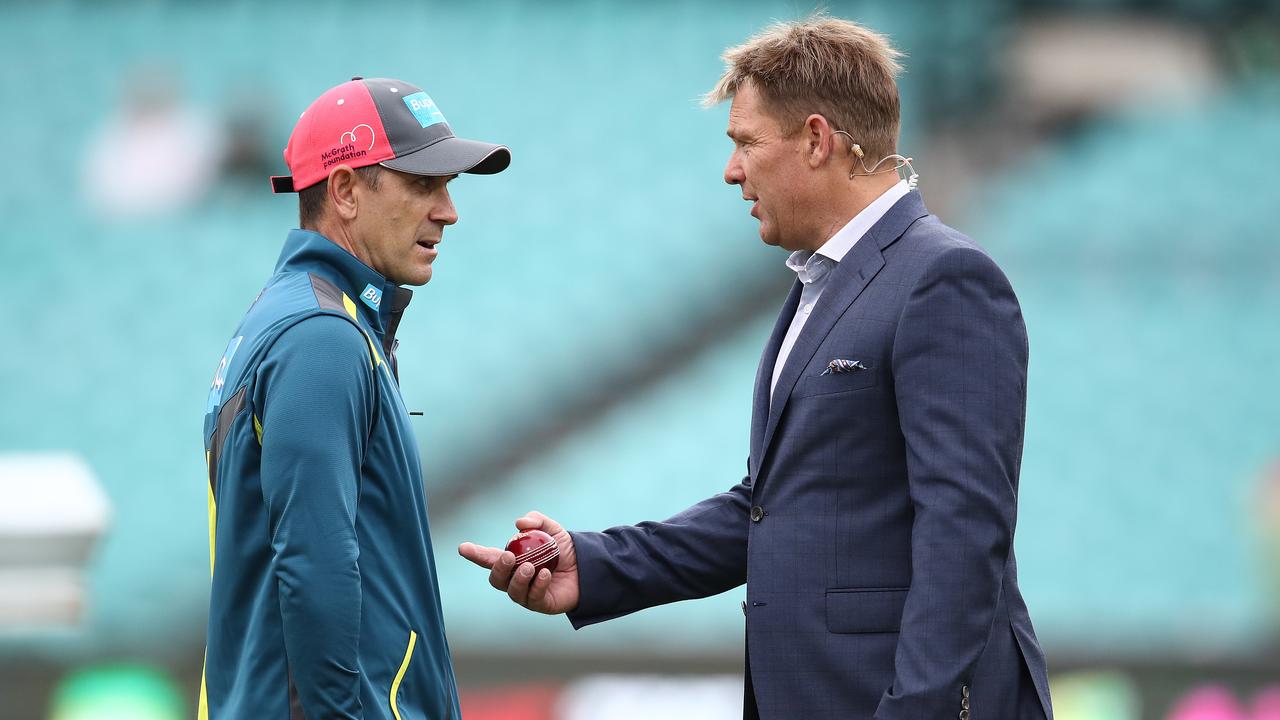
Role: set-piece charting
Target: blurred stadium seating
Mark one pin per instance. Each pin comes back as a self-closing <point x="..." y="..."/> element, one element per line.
<point x="587" y="345"/>
<point x="1147" y="271"/>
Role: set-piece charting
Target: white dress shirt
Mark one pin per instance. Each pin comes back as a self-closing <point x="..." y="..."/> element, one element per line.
<point x="814" y="268"/>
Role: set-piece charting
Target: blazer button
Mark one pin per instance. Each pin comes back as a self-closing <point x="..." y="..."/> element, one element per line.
<point x="964" y="715"/>
<point x="757" y="513"/>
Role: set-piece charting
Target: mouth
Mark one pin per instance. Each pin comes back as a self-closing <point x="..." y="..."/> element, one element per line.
<point x="429" y="244"/>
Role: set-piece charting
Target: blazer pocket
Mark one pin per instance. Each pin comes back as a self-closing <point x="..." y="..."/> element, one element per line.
<point x="817" y="384"/>
<point x="865" y="610"/>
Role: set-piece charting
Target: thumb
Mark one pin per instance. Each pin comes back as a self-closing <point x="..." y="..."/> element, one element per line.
<point x="534" y="520"/>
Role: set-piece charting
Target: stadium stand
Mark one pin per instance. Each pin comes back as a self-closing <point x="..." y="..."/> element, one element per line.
<point x="1148" y="346"/>
<point x="610" y="244"/>
<point x="588" y="343"/>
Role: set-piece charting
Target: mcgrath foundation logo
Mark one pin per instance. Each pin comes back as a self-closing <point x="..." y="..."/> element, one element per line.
<point x="350" y="136"/>
<point x="349" y="144"/>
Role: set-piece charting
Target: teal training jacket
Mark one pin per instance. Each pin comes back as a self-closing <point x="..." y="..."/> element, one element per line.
<point x="324" y="600"/>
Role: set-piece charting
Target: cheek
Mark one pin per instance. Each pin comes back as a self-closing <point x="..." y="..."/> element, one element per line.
<point x="766" y="182"/>
<point x="768" y="172"/>
<point x="424" y="212"/>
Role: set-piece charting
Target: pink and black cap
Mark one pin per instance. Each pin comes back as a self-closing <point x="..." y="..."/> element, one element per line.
<point x="379" y="121"/>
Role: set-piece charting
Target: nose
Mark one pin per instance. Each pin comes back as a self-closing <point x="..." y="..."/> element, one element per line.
<point x="444" y="212"/>
<point x="733" y="172"/>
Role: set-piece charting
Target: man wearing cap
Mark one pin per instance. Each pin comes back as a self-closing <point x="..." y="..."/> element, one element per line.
<point x="324" y="600"/>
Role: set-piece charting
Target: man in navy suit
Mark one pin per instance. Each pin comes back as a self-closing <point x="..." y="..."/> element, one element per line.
<point x="874" y="529"/>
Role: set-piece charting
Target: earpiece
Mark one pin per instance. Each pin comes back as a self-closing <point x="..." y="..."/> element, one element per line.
<point x="909" y="174"/>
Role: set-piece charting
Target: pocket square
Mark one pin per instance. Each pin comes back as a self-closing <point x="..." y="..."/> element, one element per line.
<point x="840" y="365"/>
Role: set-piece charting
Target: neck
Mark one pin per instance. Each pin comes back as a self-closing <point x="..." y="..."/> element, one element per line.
<point x="340" y="235"/>
<point x="848" y="197"/>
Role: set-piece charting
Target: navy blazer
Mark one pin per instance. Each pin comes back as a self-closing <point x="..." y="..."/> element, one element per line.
<point x="874" y="529"/>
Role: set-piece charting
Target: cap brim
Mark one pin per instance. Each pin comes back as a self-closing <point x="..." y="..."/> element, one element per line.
<point x="453" y="155"/>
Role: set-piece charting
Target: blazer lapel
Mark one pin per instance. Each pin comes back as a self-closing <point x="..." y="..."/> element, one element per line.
<point x="764" y="375"/>
<point x="850" y="277"/>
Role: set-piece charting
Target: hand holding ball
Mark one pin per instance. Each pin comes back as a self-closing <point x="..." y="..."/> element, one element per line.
<point x="541" y="543"/>
<point x="535" y="547"/>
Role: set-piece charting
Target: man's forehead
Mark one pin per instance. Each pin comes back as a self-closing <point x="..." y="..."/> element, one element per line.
<point x="747" y="115"/>
<point x="743" y="123"/>
<point x="740" y="120"/>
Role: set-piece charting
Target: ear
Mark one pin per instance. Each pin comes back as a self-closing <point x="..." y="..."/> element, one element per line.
<point x="343" y="193"/>
<point x="818" y="140"/>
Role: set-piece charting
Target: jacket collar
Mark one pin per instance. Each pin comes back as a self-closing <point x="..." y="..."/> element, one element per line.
<point x="846" y="283"/>
<point x="379" y="302"/>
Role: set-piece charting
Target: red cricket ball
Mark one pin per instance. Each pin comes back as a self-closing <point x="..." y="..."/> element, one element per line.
<point x="535" y="547"/>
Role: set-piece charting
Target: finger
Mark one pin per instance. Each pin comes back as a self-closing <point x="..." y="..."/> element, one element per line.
<point x="481" y="555"/>
<point x="500" y="575"/>
<point x="518" y="590"/>
<point x="535" y="520"/>
<point x="538" y="590"/>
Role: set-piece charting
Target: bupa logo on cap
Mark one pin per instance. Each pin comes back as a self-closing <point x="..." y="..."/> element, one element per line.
<point x="371" y="296"/>
<point x="424" y="109"/>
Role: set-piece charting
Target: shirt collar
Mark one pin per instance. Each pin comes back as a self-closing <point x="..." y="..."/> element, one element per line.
<point x="808" y="266"/>
<point x="378" y="301"/>
<point x="811" y="267"/>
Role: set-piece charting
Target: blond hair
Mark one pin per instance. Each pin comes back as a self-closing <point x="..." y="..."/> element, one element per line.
<point x="828" y="66"/>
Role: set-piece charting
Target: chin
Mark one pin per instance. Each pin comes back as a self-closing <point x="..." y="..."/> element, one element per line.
<point x="414" y="277"/>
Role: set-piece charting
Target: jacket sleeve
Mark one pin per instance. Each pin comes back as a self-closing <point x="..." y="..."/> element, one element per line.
<point x="697" y="553"/>
<point x="959" y="368"/>
<point x="316" y="397"/>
